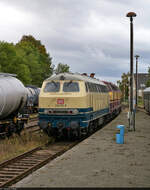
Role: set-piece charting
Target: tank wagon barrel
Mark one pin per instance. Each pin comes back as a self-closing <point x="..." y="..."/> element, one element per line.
<point x="32" y="98"/>
<point x="13" y="97"/>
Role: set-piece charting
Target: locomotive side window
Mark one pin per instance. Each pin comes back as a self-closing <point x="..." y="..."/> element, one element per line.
<point x="86" y="87"/>
<point x="90" y="87"/>
<point x="71" y="87"/>
<point x="104" y="88"/>
<point x="94" y="87"/>
<point x="52" y="87"/>
<point x="99" y="88"/>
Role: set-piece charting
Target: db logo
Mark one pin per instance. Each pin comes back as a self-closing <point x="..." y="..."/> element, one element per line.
<point x="60" y="101"/>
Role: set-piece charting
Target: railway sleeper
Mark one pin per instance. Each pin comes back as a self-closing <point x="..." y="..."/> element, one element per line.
<point x="3" y="180"/>
<point x="28" y="162"/>
<point x="6" y="176"/>
<point x="21" y="167"/>
<point x="9" y="172"/>
<point x="33" y="159"/>
<point x="12" y="170"/>
<point x="24" y="164"/>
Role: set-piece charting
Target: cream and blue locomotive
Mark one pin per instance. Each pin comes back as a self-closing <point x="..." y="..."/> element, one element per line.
<point x="72" y="104"/>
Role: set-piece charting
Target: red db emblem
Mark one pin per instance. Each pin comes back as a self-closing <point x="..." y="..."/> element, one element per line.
<point x="60" y="101"/>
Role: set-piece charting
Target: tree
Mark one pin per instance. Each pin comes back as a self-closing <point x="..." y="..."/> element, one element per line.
<point x="34" y="42"/>
<point x="10" y="62"/>
<point x="148" y="81"/>
<point x="124" y="85"/>
<point x="37" y="59"/>
<point x="62" y="68"/>
<point x="28" y="59"/>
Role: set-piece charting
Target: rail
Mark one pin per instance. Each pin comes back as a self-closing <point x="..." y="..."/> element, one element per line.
<point x="17" y="168"/>
<point x="13" y="170"/>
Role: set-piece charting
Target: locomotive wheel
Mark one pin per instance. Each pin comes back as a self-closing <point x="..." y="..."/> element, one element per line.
<point x="90" y="129"/>
<point x="78" y="133"/>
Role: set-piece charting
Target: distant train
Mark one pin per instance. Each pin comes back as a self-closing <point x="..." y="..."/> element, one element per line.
<point x="31" y="105"/>
<point x="74" y="104"/>
<point x="146" y="97"/>
<point x="14" y="99"/>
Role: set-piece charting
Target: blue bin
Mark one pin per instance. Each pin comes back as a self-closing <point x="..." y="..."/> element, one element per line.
<point x="119" y="139"/>
<point x="121" y="127"/>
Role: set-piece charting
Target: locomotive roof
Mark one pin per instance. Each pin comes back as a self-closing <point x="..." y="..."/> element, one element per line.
<point x="75" y="76"/>
<point x="147" y="89"/>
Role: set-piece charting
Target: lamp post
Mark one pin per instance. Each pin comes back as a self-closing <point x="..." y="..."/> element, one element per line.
<point x="132" y="113"/>
<point x="136" y="102"/>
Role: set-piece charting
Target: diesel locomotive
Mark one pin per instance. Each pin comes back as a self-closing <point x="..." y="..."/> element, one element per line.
<point x="72" y="104"/>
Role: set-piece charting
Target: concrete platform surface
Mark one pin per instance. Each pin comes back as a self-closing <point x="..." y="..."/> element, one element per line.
<point x="99" y="162"/>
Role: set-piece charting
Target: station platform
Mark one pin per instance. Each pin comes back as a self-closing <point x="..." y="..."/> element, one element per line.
<point x="99" y="162"/>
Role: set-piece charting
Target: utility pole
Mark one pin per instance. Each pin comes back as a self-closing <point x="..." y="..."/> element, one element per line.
<point x="136" y="56"/>
<point x="132" y="112"/>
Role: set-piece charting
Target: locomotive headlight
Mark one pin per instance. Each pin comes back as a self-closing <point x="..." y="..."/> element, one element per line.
<point x="46" y="111"/>
<point x="75" y="111"/>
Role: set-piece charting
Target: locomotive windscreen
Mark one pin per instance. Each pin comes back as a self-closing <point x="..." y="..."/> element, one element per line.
<point x="71" y="87"/>
<point x="52" y="87"/>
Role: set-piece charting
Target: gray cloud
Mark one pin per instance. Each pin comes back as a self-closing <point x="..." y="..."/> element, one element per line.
<point x="88" y="35"/>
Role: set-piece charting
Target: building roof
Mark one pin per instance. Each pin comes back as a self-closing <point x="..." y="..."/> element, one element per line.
<point x="142" y="79"/>
<point x="147" y="89"/>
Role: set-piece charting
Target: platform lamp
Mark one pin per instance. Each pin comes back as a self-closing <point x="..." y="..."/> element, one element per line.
<point x="131" y="112"/>
<point x="136" y="100"/>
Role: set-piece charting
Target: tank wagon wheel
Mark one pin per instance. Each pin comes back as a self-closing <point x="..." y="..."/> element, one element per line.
<point x="8" y="131"/>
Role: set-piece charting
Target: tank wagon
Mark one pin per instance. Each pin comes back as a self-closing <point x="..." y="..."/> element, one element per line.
<point x="31" y="105"/>
<point x="13" y="96"/>
<point x="74" y="104"/>
<point x="146" y="98"/>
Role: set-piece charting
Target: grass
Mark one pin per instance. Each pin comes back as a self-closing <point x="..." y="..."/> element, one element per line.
<point x="17" y="145"/>
<point x="140" y="101"/>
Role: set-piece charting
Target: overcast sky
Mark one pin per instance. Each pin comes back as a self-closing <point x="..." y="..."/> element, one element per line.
<point x="88" y="35"/>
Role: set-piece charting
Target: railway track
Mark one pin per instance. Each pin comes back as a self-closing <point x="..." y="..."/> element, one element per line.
<point x="32" y="123"/>
<point x="13" y="170"/>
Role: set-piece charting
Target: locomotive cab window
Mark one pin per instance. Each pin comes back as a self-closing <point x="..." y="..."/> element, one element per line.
<point x="71" y="87"/>
<point x="52" y="87"/>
